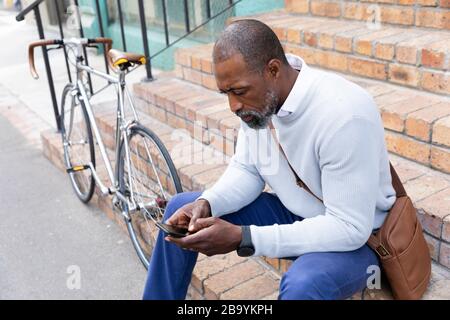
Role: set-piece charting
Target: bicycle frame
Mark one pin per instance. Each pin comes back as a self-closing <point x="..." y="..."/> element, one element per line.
<point x="122" y="126"/>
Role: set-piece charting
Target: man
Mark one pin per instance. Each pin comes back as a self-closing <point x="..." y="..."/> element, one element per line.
<point x="331" y="132"/>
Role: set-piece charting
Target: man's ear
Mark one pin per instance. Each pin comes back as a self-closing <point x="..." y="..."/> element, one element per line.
<point x="273" y="68"/>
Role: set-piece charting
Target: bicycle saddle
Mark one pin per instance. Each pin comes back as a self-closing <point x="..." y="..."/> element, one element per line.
<point x="120" y="58"/>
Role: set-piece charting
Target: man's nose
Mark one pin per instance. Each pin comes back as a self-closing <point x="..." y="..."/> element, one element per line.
<point x="235" y="105"/>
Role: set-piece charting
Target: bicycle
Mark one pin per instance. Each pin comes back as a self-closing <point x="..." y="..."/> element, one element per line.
<point x="144" y="178"/>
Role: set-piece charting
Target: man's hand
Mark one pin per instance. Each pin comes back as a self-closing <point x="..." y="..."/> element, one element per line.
<point x="188" y="215"/>
<point x="215" y="236"/>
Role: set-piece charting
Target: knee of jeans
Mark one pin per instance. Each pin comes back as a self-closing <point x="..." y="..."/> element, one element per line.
<point x="179" y="200"/>
<point x="306" y="286"/>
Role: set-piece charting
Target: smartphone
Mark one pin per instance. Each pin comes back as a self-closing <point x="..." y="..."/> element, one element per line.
<point x="173" y="231"/>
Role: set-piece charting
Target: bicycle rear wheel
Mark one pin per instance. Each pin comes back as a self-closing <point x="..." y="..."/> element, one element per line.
<point x="150" y="180"/>
<point x="78" y="144"/>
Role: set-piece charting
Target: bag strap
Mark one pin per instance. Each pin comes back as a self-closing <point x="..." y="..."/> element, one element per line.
<point x="373" y="241"/>
<point x="396" y="182"/>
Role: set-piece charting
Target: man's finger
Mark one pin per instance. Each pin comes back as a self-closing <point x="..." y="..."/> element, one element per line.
<point x="205" y="222"/>
<point x="174" y="219"/>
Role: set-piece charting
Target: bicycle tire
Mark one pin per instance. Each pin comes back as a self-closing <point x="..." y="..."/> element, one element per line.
<point x="134" y="225"/>
<point x="83" y="189"/>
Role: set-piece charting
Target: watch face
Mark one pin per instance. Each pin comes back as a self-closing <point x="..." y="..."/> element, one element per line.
<point x="246" y="251"/>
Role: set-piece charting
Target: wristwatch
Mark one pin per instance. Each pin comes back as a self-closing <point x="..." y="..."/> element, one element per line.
<point x="246" y="248"/>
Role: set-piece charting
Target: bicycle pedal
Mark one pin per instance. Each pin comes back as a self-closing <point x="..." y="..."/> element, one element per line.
<point x="77" y="169"/>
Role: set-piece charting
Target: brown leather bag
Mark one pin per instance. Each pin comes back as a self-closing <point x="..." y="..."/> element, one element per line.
<point x="399" y="243"/>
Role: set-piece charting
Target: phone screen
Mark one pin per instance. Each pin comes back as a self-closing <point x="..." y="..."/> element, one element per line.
<point x="171" y="230"/>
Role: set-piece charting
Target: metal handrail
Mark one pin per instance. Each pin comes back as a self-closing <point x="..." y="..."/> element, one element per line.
<point x="34" y="6"/>
<point x="28" y="9"/>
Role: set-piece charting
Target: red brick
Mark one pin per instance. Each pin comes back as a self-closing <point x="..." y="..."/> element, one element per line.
<point x="408" y="51"/>
<point x="293" y="36"/>
<point x="205" y="180"/>
<point x="446" y="229"/>
<point x="433" y="245"/>
<point x="408" y="148"/>
<point x="192" y="75"/>
<point x="420" y="123"/>
<point x="430" y="224"/>
<point x="367" y="68"/>
<point x="435" y="81"/>
<point x="444" y="255"/>
<point x="407" y="170"/>
<point x="196" y="62"/>
<point x="209" y="81"/>
<point x="326" y="38"/>
<point x="356" y="11"/>
<point x="441" y="130"/>
<point x="397" y="15"/>
<point x="432" y="58"/>
<point x="425" y="186"/>
<point x="440" y="158"/>
<point x="325" y="8"/>
<point x="444" y="3"/>
<point x="285" y="264"/>
<point x="394" y="115"/>
<point x="275" y="263"/>
<point x="207" y="65"/>
<point x="255" y="288"/>
<point x="430" y="18"/>
<point x="331" y="60"/>
<point x="182" y="56"/>
<point x="364" y="43"/>
<point x="427" y="3"/>
<point x="223" y="281"/>
<point x="385" y="47"/>
<point x="211" y="266"/>
<point x="307" y="54"/>
<point x="437" y="206"/>
<point x="403" y="75"/>
<point x="297" y="6"/>
<point x="186" y="173"/>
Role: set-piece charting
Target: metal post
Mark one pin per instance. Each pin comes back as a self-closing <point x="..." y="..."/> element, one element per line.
<point x="166" y="26"/>
<point x="102" y="34"/>
<point x="208" y="9"/>
<point x="148" y="65"/>
<point x="122" y="29"/>
<point x="61" y="32"/>
<point x="91" y="89"/>
<point x="47" y="68"/>
<point x="186" y="16"/>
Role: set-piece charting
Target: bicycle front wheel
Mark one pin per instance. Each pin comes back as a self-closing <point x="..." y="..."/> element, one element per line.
<point x="147" y="176"/>
<point x="78" y="144"/>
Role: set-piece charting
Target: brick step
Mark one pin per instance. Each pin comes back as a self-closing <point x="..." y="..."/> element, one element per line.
<point x="409" y="57"/>
<point x="434" y="14"/>
<point x="417" y="124"/>
<point x="228" y="276"/>
<point x="242" y="275"/>
<point x="429" y="189"/>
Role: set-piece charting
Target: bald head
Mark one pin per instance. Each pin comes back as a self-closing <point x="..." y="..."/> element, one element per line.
<point x="254" y="40"/>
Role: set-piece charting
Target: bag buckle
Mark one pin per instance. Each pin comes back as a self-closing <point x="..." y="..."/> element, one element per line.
<point x="382" y="251"/>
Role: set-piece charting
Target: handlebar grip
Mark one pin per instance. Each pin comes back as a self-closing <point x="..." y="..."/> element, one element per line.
<point x="31" y="47"/>
<point x="108" y="46"/>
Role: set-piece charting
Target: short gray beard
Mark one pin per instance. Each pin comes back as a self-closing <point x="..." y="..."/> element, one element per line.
<point x="261" y="118"/>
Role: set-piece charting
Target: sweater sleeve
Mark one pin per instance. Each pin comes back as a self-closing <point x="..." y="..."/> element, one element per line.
<point x="239" y="185"/>
<point x="349" y="175"/>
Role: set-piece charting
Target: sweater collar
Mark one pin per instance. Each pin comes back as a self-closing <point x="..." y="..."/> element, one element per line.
<point x="296" y="98"/>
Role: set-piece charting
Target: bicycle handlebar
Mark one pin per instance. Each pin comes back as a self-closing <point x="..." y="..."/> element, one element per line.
<point x="43" y="43"/>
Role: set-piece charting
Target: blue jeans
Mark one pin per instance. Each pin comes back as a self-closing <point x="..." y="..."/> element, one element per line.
<point x="322" y="275"/>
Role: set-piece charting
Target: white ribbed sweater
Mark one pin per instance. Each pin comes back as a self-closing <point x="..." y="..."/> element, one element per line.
<point x="333" y="136"/>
